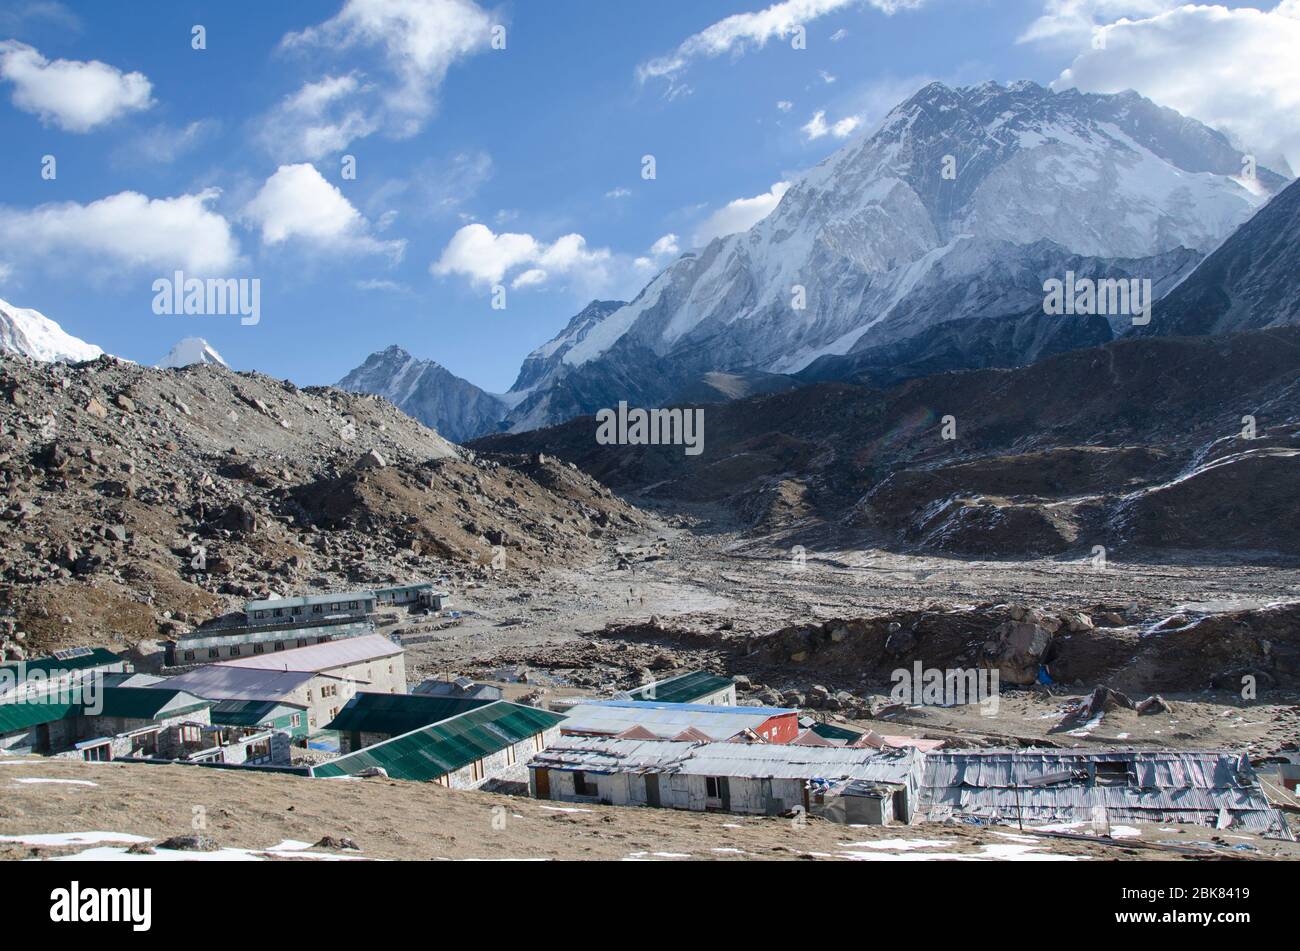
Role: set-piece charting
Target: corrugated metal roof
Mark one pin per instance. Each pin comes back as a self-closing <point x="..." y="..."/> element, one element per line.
<point x="397" y="713"/>
<point x="685" y="688"/>
<point x="145" y="703"/>
<point x="742" y="760"/>
<point x="23" y="716"/>
<point x="132" y="703"/>
<point x="93" y="657"/>
<point x="829" y="731"/>
<point x="1061" y="785"/>
<point x="250" y="712"/>
<point x="336" y="630"/>
<point x="666" y="719"/>
<point x="433" y="751"/>
<point x="220" y="682"/>
<point x="317" y="657"/>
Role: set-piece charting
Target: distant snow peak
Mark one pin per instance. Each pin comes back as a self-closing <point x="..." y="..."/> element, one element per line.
<point x="188" y="352"/>
<point x="32" y="334"/>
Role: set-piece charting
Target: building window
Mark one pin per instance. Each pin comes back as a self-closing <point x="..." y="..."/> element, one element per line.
<point x="260" y="614"/>
<point x="510" y="755"/>
<point x="295" y="721"/>
<point x="302" y="642"/>
<point x="279" y="645"/>
<point x="476" y="770"/>
<point x="334" y="607"/>
<point x="713" y="786"/>
<point x="297" y="611"/>
<point x="315" y="609"/>
<point x="234" y="650"/>
<point x="538" y="743"/>
<point x="189" y="655"/>
<point x="258" y="751"/>
<point x="258" y="648"/>
<point x="352" y="605"/>
<point x="583" y="788"/>
<point x="279" y="612"/>
<point x="1113" y="774"/>
<point x="97" y="754"/>
<point x="309" y="695"/>
<point x="213" y="652"/>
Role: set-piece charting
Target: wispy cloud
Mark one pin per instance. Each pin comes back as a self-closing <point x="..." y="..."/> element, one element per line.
<point x="817" y="127"/>
<point x="742" y="31"/>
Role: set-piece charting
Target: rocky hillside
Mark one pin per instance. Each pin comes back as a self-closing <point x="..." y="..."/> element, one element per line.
<point x="1139" y="442"/>
<point x="1249" y="281"/>
<point x="137" y="501"/>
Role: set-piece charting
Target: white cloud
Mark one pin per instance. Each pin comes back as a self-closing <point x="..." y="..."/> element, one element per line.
<point x="741" y="31"/>
<point x="817" y="126"/>
<point x="485" y="257"/>
<point x="1234" y="69"/>
<point x="75" y="96"/>
<point x="839" y="35"/>
<point x="827" y="78"/>
<point x="785" y="105"/>
<point x="125" y="230"/>
<point x="1072" y="23"/>
<point x="297" y="202"/>
<point x="320" y="119"/>
<point x="419" y="41"/>
<point x="379" y="284"/>
<point x="488" y="257"/>
<point x="740" y="215"/>
<point x="666" y="247"/>
<point x="619" y="192"/>
<point x="529" y="278"/>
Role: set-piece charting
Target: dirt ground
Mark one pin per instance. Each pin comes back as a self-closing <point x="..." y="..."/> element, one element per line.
<point x="398" y="820"/>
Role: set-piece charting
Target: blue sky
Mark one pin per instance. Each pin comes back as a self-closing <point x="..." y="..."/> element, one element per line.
<point x="475" y="166"/>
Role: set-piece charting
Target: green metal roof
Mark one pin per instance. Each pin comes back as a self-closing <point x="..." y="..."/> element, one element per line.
<point x="445" y="747"/>
<point x="248" y="712"/>
<point x="686" y="688"/>
<point x="830" y="732"/>
<point x="131" y="703"/>
<point x="80" y="660"/>
<point x="22" y="716"/>
<point x="145" y="703"/>
<point x="397" y="713"/>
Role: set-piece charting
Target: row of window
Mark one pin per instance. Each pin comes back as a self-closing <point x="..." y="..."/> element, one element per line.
<point x="315" y="609"/>
<point x="235" y="650"/>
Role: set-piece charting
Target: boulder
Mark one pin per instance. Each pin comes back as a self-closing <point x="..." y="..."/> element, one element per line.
<point x="1020" y="650"/>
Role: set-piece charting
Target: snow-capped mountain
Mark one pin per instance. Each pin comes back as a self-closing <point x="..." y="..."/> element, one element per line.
<point x="1251" y="280"/>
<point x="429" y="392"/>
<point x="189" y="351"/>
<point x="34" y="335"/>
<point x="959" y="205"/>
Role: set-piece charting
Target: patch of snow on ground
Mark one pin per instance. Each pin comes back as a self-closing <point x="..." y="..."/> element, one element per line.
<point x="65" y="782"/>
